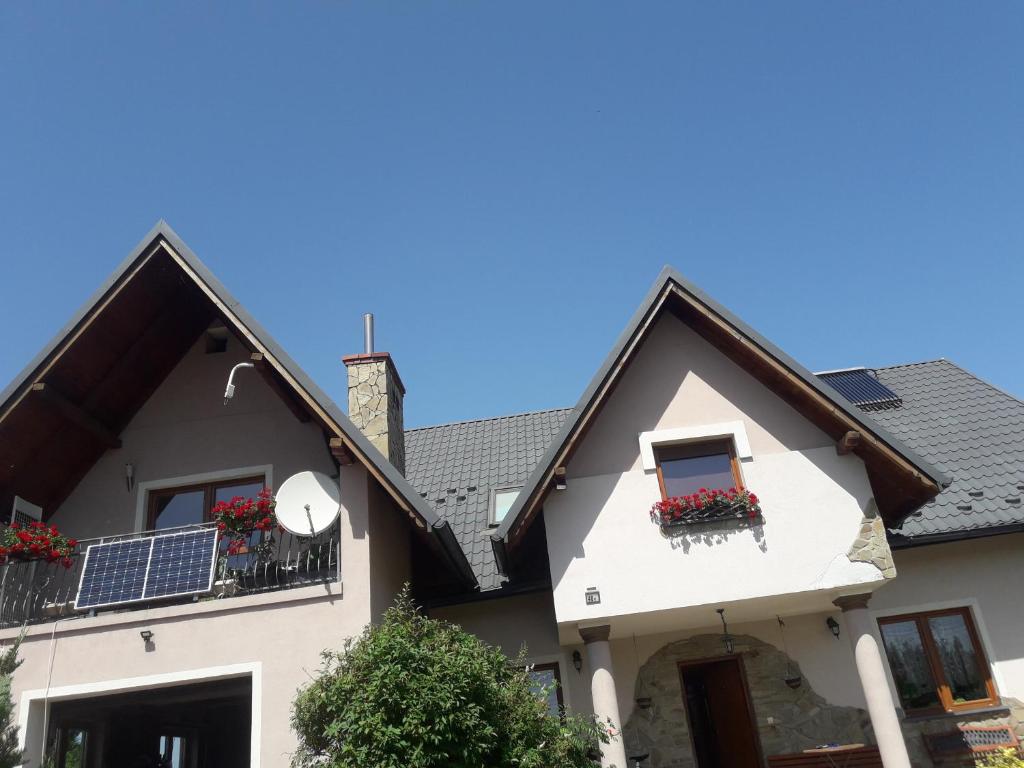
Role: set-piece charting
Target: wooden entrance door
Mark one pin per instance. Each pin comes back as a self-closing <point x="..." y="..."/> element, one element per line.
<point x="721" y="718"/>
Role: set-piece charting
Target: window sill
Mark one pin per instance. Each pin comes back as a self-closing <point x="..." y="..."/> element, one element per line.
<point x="993" y="710"/>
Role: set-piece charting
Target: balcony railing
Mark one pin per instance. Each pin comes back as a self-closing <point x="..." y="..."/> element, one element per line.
<point x="38" y="592"/>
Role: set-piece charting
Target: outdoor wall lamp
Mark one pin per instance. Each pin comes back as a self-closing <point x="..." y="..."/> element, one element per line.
<point x="577" y="661"/>
<point x="129" y="476"/>
<point x="833" y="626"/>
<point x="146" y="635"/>
<point x="726" y="637"/>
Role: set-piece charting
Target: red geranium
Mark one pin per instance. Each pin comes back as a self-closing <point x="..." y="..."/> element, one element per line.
<point x="240" y="517"/>
<point x="36" y="541"/>
<point x="688" y="508"/>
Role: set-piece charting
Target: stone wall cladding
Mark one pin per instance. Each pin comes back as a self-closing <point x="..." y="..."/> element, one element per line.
<point x="803" y="718"/>
<point x="871" y="545"/>
<point x="375" y="405"/>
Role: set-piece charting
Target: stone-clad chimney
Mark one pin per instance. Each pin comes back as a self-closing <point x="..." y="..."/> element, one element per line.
<point x="375" y="397"/>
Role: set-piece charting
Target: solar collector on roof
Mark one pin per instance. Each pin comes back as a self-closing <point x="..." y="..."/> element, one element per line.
<point x="862" y="388"/>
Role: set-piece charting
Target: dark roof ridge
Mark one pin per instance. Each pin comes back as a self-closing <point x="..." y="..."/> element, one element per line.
<point x="488" y="418"/>
<point x="667" y="281"/>
<point x="195" y="270"/>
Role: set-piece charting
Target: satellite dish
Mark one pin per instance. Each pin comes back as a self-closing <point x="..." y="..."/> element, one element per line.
<point x="308" y="503"/>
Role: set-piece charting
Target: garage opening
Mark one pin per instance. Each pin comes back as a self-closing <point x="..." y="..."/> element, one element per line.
<point x="205" y="725"/>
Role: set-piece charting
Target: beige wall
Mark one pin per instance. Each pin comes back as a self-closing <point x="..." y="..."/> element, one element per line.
<point x="285" y="639"/>
<point x="185" y="429"/>
<point x="599" y="532"/>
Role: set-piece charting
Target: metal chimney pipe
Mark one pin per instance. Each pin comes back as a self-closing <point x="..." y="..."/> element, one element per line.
<point x="368" y="333"/>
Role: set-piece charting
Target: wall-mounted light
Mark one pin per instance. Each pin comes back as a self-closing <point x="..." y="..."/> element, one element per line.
<point x="147" y="636"/>
<point x="577" y="661"/>
<point x="129" y="476"/>
<point x="726" y="637"/>
<point x="833" y="626"/>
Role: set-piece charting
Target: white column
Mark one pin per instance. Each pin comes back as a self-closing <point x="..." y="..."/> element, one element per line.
<point x="602" y="691"/>
<point x="871" y="669"/>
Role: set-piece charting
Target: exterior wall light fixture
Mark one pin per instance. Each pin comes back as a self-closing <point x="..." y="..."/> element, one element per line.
<point x="833" y="626"/>
<point x="147" y="636"/>
<point x="577" y="661"/>
<point x="726" y="637"/>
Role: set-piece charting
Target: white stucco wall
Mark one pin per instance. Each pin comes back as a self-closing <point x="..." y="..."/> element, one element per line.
<point x="598" y="530"/>
<point x="185" y="429"/>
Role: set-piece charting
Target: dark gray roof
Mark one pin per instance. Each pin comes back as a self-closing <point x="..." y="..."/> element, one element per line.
<point x="455" y="467"/>
<point x="972" y="431"/>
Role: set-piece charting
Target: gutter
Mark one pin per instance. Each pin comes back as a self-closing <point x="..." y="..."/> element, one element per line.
<point x="899" y="541"/>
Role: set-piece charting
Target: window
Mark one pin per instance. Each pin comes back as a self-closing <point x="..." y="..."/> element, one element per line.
<point x="546" y="677"/>
<point x="937" y="661"/>
<point x="688" y="467"/>
<point x="71" y="747"/>
<point x="191" y="504"/>
<point x="501" y="502"/>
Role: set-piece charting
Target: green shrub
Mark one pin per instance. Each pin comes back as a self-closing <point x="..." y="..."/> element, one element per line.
<point x="1004" y="758"/>
<point x="10" y="755"/>
<point x="414" y="692"/>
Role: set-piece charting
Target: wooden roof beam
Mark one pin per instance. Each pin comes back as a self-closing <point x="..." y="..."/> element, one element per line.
<point x="341" y="452"/>
<point x="848" y="443"/>
<point x="76" y="414"/>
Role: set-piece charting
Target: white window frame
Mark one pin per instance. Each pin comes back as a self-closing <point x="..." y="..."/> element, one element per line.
<point x="493" y="503"/>
<point x="45" y="697"/>
<point x="734" y="430"/>
<point x="142" y="489"/>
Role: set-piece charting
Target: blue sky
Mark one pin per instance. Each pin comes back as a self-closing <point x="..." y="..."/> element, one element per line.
<point x="500" y="182"/>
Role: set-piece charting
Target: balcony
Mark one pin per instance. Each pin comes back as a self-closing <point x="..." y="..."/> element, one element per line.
<point x="38" y="592"/>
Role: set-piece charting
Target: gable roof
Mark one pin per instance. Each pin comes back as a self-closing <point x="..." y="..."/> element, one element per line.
<point x="901" y="479"/>
<point x="457" y="467"/>
<point x="84" y="415"/>
<point x="971" y="430"/>
<point x="966" y="427"/>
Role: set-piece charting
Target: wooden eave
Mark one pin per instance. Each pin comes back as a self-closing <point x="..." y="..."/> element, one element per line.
<point x="69" y="406"/>
<point x="899" y="485"/>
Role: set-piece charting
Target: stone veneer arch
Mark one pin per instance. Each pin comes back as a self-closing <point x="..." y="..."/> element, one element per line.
<point x="802" y="718"/>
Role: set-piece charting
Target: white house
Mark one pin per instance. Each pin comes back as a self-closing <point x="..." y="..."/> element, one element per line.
<point x="866" y="598"/>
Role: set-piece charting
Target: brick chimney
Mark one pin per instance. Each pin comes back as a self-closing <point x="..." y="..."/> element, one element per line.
<point x="375" y="398"/>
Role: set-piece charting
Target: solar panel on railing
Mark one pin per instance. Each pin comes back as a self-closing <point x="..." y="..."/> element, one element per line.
<point x="148" y="568"/>
<point x="181" y="564"/>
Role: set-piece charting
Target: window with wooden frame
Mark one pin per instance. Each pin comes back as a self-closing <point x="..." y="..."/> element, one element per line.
<point x="685" y="468"/>
<point x="937" y="661"/>
<point x="549" y="677"/>
<point x="191" y="504"/>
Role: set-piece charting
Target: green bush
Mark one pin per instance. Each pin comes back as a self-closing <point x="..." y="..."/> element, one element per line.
<point x="1004" y="758"/>
<point x="10" y="755"/>
<point x="414" y="692"/>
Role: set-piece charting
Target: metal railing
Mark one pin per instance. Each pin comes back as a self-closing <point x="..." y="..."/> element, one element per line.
<point x="37" y="592"/>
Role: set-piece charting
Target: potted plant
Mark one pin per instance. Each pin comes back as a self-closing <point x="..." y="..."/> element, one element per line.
<point x="706" y="506"/>
<point x="237" y="520"/>
<point x="36" y="541"/>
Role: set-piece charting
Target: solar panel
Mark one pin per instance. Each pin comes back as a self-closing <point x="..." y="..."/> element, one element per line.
<point x="113" y="573"/>
<point x="860" y="387"/>
<point x="147" y="568"/>
<point x="181" y="564"/>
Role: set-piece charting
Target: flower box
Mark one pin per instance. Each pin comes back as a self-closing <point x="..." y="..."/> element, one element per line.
<point x="36" y="541"/>
<point x="706" y="506"/>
